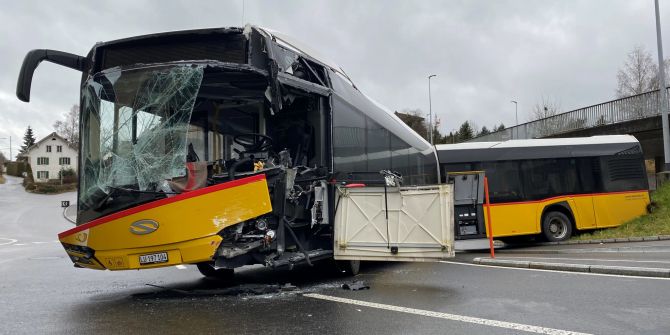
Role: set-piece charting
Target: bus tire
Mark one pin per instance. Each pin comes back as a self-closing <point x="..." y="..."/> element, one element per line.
<point x="556" y="227"/>
<point x="207" y="269"/>
<point x="348" y="268"/>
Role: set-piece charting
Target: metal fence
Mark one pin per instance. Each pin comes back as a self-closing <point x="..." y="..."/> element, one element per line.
<point x="631" y="108"/>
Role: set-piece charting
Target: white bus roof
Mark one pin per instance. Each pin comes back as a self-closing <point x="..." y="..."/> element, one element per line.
<point x="537" y="148"/>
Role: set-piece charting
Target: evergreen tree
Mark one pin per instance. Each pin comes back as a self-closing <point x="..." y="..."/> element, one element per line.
<point x="484" y="131"/>
<point x="28" y="140"/>
<point x="465" y="132"/>
<point x="499" y="128"/>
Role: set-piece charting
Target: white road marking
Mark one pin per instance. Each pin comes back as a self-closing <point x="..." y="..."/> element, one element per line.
<point x="10" y="241"/>
<point x="591" y="259"/>
<point x="181" y="267"/>
<point x="558" y="271"/>
<point x="38" y="242"/>
<point x="447" y="316"/>
<point x="19" y="244"/>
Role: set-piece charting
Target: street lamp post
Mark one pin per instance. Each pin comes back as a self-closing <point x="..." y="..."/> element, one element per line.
<point x="663" y="92"/>
<point x="430" y="111"/>
<point x="516" y="115"/>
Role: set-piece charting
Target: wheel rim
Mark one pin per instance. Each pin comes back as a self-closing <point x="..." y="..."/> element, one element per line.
<point x="558" y="228"/>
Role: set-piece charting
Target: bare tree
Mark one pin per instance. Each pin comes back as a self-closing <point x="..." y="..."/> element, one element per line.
<point x="544" y="110"/>
<point x="69" y="128"/>
<point x="638" y="74"/>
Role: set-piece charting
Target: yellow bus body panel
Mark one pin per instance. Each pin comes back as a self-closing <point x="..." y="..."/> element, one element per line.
<point x="589" y="210"/>
<point x="186" y="226"/>
<point x="614" y="209"/>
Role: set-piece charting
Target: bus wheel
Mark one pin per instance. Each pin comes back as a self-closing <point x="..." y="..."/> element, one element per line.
<point x="556" y="227"/>
<point x="207" y="269"/>
<point x="349" y="268"/>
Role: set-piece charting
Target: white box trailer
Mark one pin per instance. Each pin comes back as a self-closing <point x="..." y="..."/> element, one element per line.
<point x="394" y="223"/>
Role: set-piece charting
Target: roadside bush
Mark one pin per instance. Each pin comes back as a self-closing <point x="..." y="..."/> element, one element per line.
<point x="69" y="176"/>
<point x="28" y="181"/>
<point x="51" y="188"/>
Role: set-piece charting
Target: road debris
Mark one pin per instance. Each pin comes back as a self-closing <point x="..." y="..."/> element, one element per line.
<point x="356" y="286"/>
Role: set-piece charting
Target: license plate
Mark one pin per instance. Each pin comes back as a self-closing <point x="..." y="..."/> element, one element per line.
<point x="161" y="257"/>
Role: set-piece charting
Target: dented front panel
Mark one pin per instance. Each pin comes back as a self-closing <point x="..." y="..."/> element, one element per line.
<point x="184" y="226"/>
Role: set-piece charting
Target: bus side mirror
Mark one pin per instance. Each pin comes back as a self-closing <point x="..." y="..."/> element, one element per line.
<point x="35" y="57"/>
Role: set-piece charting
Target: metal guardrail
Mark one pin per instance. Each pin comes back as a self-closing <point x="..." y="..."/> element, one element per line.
<point x="627" y="109"/>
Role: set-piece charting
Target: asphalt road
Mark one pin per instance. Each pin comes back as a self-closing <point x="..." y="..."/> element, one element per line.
<point x="40" y="292"/>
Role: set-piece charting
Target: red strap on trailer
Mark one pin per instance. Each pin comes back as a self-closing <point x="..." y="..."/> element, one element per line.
<point x="489" y="222"/>
<point x="354" y="185"/>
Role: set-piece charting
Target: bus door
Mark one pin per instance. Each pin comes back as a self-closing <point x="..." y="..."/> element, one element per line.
<point x="389" y="222"/>
<point x="468" y="204"/>
<point x="582" y="207"/>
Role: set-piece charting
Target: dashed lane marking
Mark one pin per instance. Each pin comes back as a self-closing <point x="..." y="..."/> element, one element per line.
<point x="181" y="267"/>
<point x="19" y="244"/>
<point x="447" y="316"/>
<point x="7" y="241"/>
<point x="555" y="271"/>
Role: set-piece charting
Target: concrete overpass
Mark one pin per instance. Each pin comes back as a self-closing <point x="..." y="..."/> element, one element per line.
<point x="636" y="115"/>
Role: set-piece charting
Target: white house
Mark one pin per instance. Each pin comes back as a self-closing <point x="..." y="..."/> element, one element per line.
<point x="49" y="156"/>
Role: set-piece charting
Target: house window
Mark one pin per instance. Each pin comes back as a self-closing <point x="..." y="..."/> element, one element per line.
<point x="42" y="174"/>
<point x="64" y="161"/>
<point x="42" y="160"/>
<point x="48" y="148"/>
<point x="59" y="148"/>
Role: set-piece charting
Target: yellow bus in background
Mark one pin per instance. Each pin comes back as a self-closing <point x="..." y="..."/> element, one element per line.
<point x="555" y="187"/>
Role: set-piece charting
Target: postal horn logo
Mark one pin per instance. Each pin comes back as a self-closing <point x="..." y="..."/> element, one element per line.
<point x="143" y="227"/>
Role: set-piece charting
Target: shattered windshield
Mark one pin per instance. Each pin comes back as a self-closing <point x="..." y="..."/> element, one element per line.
<point x="134" y="130"/>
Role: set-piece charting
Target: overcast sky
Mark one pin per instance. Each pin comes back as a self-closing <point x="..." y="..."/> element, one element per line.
<point x="484" y="53"/>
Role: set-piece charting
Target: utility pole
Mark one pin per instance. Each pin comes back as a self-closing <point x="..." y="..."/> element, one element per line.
<point x="10" y="146"/>
<point x="663" y="92"/>
<point x="430" y="110"/>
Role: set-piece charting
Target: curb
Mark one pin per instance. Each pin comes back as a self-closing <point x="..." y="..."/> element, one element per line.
<point x="610" y="240"/>
<point x="639" y="249"/>
<point x="602" y="269"/>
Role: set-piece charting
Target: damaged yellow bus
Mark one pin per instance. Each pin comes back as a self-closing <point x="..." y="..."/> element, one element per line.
<point x="555" y="187"/>
<point x="235" y="146"/>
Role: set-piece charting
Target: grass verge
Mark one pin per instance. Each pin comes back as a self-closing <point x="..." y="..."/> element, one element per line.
<point x="2" y="179"/>
<point x="655" y="223"/>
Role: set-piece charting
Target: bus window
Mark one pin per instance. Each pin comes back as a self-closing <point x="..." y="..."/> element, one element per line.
<point x="590" y="178"/>
<point x="504" y="180"/>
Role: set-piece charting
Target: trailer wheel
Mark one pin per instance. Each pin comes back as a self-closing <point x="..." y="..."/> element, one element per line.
<point x="207" y="269"/>
<point x="556" y="227"/>
<point x="349" y="268"/>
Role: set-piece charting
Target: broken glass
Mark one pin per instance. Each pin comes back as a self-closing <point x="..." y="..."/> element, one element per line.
<point x="135" y="126"/>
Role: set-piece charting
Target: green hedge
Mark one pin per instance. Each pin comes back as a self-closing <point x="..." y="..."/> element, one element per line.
<point x="17" y="169"/>
<point x="50" y="187"/>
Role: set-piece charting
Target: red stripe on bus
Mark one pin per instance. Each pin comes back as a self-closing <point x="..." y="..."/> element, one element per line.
<point x="162" y="202"/>
<point x="564" y="196"/>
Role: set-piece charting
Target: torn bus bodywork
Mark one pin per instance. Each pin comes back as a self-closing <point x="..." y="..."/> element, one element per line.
<point x="228" y="147"/>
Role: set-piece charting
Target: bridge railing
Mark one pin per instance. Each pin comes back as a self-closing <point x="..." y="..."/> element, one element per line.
<point x="616" y="111"/>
